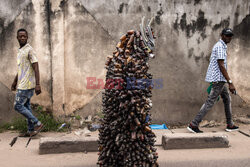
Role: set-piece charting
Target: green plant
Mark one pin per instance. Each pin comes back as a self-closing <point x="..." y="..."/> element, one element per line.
<point x="46" y="117"/>
<point x="50" y="124"/>
<point x="17" y="123"/>
<point x="4" y="127"/>
<point x="100" y="115"/>
<point x="78" y="117"/>
<point x="39" y="108"/>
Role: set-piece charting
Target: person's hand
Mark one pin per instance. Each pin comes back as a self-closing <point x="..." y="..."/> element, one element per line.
<point x="232" y="88"/>
<point x="38" y="89"/>
<point x="13" y="86"/>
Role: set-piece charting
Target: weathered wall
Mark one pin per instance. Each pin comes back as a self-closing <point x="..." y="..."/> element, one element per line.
<point x="74" y="37"/>
<point x="33" y="17"/>
<point x="61" y="32"/>
<point x="79" y="49"/>
<point x="6" y="104"/>
<point x="186" y="30"/>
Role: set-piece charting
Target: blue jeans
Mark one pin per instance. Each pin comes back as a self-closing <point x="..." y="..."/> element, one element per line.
<point x="22" y="105"/>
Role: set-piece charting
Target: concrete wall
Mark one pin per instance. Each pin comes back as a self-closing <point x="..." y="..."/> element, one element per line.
<point x="186" y="30"/>
<point x="74" y="37"/>
<point x="34" y="19"/>
<point x="6" y="104"/>
<point x="79" y="49"/>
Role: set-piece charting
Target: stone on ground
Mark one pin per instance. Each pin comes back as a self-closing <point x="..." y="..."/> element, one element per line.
<point x="243" y="120"/>
<point x="194" y="141"/>
<point x="51" y="145"/>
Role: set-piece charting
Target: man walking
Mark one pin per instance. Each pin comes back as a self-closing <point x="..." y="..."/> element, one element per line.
<point x="218" y="76"/>
<point x="26" y="81"/>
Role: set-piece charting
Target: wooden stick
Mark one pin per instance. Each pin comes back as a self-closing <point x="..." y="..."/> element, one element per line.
<point x="13" y="141"/>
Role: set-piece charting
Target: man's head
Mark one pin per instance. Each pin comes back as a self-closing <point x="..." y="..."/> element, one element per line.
<point x="226" y="35"/>
<point x="22" y="36"/>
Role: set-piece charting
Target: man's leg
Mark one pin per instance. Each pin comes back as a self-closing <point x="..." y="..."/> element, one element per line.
<point x="227" y="105"/>
<point x="212" y="97"/>
<point x="21" y="99"/>
<point x="30" y="124"/>
<point x="37" y="126"/>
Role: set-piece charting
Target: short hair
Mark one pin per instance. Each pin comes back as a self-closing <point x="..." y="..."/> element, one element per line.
<point x="22" y="29"/>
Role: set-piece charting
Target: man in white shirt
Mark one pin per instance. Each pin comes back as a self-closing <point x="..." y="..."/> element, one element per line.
<point x="217" y="75"/>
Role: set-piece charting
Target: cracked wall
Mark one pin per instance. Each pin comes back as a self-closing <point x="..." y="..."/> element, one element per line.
<point x="74" y="37"/>
<point x="186" y="32"/>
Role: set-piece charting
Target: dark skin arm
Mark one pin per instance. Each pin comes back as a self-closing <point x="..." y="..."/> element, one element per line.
<point x="225" y="74"/>
<point x="37" y="76"/>
<point x="13" y="86"/>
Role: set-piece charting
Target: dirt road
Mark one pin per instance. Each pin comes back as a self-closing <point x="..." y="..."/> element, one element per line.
<point x="238" y="155"/>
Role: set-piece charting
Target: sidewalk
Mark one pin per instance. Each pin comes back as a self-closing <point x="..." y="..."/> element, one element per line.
<point x="238" y="155"/>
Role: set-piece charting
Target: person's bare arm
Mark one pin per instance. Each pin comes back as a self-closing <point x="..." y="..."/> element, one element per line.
<point x="13" y="86"/>
<point x="35" y="67"/>
<point x="225" y="74"/>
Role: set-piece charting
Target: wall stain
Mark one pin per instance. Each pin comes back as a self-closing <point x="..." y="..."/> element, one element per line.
<point x="196" y="2"/>
<point x="207" y="57"/>
<point x="139" y="9"/>
<point x="158" y="16"/>
<point x="189" y="1"/>
<point x="201" y="24"/>
<point x="198" y="40"/>
<point x="62" y="3"/>
<point x="210" y="23"/>
<point x="236" y="15"/>
<point x="175" y="25"/>
<point x="5" y="35"/>
<point x="122" y="6"/>
<point x="1" y="25"/>
<point x="149" y="9"/>
<point x="49" y="15"/>
<point x="196" y="25"/>
<point x="183" y="21"/>
<point x="190" y="52"/>
<point x="223" y="24"/>
<point x="27" y="21"/>
<point x="120" y="10"/>
<point x="198" y="58"/>
<point x="242" y="30"/>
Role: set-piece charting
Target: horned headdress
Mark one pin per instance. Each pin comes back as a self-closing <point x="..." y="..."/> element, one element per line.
<point x="147" y="34"/>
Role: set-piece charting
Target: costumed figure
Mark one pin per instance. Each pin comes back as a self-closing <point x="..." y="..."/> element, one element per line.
<point x="125" y="137"/>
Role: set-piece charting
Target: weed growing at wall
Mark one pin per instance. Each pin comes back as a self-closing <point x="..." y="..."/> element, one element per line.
<point x="45" y="116"/>
<point x="78" y="117"/>
<point x="4" y="127"/>
<point x="17" y="123"/>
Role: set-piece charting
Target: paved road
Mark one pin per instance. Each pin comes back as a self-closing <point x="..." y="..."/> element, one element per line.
<point x="238" y="155"/>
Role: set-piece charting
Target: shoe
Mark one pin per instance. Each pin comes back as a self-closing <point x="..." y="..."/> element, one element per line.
<point x="33" y="133"/>
<point x="232" y="128"/>
<point x="26" y="134"/>
<point x="194" y="129"/>
<point x="38" y="128"/>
